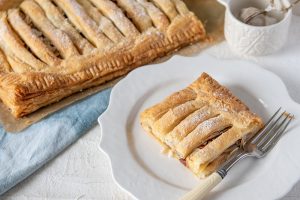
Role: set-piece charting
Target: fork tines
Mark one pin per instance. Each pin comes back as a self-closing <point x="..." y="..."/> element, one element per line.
<point x="266" y="139"/>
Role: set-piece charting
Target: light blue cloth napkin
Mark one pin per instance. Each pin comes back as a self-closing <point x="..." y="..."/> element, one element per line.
<point x="23" y="153"/>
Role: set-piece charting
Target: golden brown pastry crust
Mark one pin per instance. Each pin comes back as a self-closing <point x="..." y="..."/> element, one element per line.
<point x="78" y="50"/>
<point x="200" y="124"/>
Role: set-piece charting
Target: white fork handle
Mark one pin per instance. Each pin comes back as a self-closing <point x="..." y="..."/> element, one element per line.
<point x="202" y="189"/>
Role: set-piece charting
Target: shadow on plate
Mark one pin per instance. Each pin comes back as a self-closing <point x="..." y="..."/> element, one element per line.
<point x="254" y="104"/>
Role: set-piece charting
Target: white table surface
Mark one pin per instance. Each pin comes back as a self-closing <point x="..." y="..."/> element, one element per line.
<point x="83" y="172"/>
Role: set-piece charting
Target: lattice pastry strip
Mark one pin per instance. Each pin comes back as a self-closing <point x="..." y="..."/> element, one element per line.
<point x="59" y="38"/>
<point x="159" y="19"/>
<point x="4" y="65"/>
<point x="205" y="131"/>
<point x="84" y="23"/>
<point x="201" y="124"/>
<point x="171" y="118"/>
<point x="168" y="7"/>
<point x="187" y="125"/>
<point x="180" y="7"/>
<point x="12" y="45"/>
<point x="60" y="22"/>
<point x="105" y="25"/>
<point x="174" y="100"/>
<point x="114" y="13"/>
<point x="137" y="13"/>
<point x="32" y="38"/>
<point x="51" y="48"/>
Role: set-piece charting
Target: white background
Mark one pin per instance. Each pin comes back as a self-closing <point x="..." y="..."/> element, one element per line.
<point x="82" y="171"/>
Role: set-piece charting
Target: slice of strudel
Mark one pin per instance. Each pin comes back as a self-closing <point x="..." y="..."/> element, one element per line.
<point x="50" y="49"/>
<point x="201" y="124"/>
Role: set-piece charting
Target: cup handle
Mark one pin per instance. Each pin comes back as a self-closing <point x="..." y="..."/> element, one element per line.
<point x="224" y="2"/>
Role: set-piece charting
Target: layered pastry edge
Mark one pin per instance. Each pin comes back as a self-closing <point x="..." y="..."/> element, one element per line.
<point x="26" y="91"/>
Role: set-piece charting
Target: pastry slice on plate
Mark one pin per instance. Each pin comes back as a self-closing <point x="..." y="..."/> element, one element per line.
<point x="201" y="124"/>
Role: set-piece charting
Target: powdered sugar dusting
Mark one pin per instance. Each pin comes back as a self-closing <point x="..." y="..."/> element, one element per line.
<point x="208" y="129"/>
<point x="85" y="23"/>
<point x="3" y="30"/>
<point x="110" y="10"/>
<point x="79" y="11"/>
<point x="188" y="125"/>
<point x="137" y="13"/>
<point x="158" y="18"/>
<point x="63" y="38"/>
<point x="209" y="124"/>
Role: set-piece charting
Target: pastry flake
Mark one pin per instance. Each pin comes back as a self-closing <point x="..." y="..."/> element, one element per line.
<point x="201" y="124"/>
<point x="50" y="49"/>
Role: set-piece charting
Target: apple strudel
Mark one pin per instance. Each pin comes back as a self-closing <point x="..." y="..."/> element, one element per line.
<point x="50" y="49"/>
<point x="201" y="124"/>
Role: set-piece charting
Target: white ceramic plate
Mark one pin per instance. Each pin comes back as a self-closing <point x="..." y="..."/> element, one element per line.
<point x="140" y="168"/>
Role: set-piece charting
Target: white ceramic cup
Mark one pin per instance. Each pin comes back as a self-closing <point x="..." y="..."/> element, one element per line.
<point x="248" y="40"/>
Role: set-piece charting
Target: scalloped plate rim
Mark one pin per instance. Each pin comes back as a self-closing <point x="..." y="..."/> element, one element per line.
<point x="154" y="67"/>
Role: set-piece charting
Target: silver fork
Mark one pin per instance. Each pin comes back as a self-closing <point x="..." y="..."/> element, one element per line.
<point x="257" y="146"/>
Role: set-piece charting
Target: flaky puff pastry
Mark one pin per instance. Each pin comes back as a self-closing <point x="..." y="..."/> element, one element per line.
<point x="201" y="124"/>
<point x="50" y="49"/>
